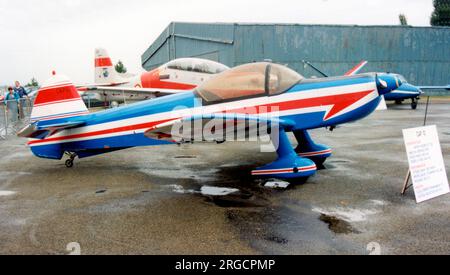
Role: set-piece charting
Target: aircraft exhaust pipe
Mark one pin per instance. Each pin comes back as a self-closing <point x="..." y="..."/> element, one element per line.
<point x="387" y="83"/>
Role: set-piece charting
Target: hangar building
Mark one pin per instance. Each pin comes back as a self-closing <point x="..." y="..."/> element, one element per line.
<point x="421" y="54"/>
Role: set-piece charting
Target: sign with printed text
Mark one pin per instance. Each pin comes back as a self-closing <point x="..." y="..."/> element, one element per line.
<point x="426" y="163"/>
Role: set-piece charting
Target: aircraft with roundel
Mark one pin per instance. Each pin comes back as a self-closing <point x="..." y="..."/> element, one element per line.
<point x="177" y="76"/>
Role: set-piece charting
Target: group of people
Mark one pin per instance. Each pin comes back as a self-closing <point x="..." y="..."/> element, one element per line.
<point x="14" y="100"/>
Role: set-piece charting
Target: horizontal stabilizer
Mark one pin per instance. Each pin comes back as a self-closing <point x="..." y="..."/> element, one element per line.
<point x="130" y="90"/>
<point x="434" y="87"/>
<point x="34" y="130"/>
<point x="84" y="87"/>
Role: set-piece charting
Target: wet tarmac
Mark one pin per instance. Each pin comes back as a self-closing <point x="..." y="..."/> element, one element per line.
<point x="201" y="199"/>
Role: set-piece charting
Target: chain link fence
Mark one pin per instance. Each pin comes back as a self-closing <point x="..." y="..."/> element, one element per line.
<point x="14" y="115"/>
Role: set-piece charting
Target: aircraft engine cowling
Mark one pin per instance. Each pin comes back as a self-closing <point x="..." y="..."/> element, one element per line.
<point x="386" y="83"/>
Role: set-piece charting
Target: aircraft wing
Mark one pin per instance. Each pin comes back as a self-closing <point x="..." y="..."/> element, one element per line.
<point x="356" y="69"/>
<point x="34" y="130"/>
<point x="87" y="86"/>
<point x="130" y="90"/>
<point x="215" y="127"/>
<point x="434" y="87"/>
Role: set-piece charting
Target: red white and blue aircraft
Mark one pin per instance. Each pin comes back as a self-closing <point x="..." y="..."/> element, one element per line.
<point x="276" y="95"/>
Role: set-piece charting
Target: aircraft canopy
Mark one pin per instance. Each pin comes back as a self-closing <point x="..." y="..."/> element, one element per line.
<point x="196" y="65"/>
<point x="250" y="80"/>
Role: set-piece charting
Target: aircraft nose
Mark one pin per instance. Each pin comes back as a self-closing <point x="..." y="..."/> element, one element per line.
<point x="386" y="83"/>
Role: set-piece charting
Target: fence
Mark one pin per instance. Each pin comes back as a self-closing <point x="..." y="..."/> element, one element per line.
<point x="14" y="116"/>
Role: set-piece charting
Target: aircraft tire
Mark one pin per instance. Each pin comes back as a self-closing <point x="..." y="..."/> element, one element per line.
<point x="414" y="105"/>
<point x="69" y="163"/>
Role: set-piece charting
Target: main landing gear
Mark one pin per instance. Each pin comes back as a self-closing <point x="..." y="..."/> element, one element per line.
<point x="414" y="103"/>
<point x="288" y="165"/>
<point x="300" y="163"/>
<point x="69" y="162"/>
<point x="308" y="149"/>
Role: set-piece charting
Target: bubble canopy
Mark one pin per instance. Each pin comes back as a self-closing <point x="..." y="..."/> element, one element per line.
<point x="196" y="65"/>
<point x="249" y="80"/>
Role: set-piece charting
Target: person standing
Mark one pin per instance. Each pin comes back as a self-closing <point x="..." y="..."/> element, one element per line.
<point x="12" y="102"/>
<point x="23" y="95"/>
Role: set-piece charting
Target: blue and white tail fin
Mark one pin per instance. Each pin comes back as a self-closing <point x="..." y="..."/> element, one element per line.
<point x="57" y="101"/>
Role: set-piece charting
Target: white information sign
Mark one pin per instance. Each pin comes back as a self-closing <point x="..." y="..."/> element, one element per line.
<point x="426" y="162"/>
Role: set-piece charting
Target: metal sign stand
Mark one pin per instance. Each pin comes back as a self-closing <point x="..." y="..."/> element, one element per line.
<point x="406" y="184"/>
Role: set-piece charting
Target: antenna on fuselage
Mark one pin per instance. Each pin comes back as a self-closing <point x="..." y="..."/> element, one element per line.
<point x="307" y="63"/>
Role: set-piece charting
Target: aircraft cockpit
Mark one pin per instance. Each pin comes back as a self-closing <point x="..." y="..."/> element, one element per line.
<point x="248" y="81"/>
<point x="402" y="78"/>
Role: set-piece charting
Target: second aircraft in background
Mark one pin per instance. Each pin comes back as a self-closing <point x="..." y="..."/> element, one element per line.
<point x="176" y="76"/>
<point x="404" y="92"/>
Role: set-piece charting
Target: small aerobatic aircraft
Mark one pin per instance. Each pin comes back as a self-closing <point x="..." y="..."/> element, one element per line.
<point x="178" y="75"/>
<point x="404" y="92"/>
<point x="249" y="96"/>
<point x="408" y="91"/>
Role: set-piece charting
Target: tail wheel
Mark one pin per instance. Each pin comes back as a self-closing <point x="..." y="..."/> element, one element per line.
<point x="69" y="163"/>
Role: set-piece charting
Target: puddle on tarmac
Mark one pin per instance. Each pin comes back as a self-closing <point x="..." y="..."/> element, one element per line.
<point x="338" y="161"/>
<point x="275" y="184"/>
<point x="277" y="239"/>
<point x="186" y="157"/>
<point x="333" y="164"/>
<point x="240" y="200"/>
<point x="6" y="193"/>
<point x="217" y="191"/>
<point x="348" y="214"/>
<point x="337" y="225"/>
<point x="223" y="196"/>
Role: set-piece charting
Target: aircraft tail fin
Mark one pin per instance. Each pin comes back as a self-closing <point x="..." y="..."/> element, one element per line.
<point x="105" y="72"/>
<point x="357" y="68"/>
<point x="57" y="101"/>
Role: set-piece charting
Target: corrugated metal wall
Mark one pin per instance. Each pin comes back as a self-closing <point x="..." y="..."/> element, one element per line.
<point x="421" y="54"/>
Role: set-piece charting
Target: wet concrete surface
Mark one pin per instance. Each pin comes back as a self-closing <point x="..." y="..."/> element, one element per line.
<point x="163" y="200"/>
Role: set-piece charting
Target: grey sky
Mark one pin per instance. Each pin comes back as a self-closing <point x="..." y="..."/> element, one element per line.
<point x="39" y="36"/>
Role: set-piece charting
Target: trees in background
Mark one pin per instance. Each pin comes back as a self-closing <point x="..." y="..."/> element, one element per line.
<point x="33" y="83"/>
<point x="403" y="20"/>
<point x="120" y="68"/>
<point x="441" y="14"/>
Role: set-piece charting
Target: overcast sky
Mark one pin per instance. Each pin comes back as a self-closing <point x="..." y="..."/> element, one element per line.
<point x="38" y="36"/>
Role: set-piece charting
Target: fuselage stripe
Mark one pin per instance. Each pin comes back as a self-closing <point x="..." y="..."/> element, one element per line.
<point x="284" y="170"/>
<point x="316" y="153"/>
